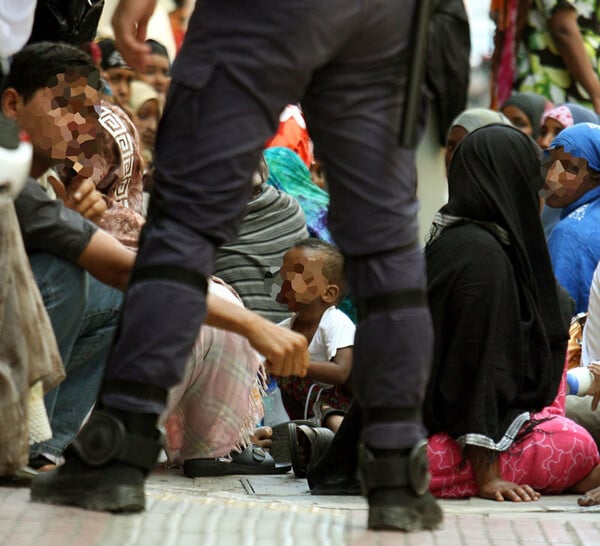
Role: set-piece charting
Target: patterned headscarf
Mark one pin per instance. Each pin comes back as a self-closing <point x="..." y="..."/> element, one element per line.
<point x="289" y="174"/>
<point x="570" y="114"/>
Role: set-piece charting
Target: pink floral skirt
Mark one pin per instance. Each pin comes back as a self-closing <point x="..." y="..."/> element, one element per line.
<point x="553" y="458"/>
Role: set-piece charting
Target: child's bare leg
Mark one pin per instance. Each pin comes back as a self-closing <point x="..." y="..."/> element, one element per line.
<point x="332" y="419"/>
<point x="491" y="486"/>
<point x="333" y="422"/>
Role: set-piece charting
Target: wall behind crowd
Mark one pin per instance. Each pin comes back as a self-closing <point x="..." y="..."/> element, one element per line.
<point x="432" y="187"/>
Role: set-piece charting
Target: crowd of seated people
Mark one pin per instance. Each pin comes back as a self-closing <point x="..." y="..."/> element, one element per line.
<point x="72" y="234"/>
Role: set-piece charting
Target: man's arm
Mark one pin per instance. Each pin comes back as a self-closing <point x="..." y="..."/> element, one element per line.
<point x="567" y="37"/>
<point x="286" y="352"/>
<point x="107" y="259"/>
<point x="49" y="226"/>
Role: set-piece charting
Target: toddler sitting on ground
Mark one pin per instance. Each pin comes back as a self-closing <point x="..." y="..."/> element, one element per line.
<point x="312" y="284"/>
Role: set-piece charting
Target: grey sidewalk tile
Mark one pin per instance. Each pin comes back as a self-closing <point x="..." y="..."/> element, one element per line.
<point x="279" y="511"/>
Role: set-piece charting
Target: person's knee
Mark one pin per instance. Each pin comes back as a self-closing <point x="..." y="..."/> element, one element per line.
<point x="579" y="409"/>
<point x="60" y="282"/>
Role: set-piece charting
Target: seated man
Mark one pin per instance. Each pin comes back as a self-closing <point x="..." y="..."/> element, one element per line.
<point x="53" y="93"/>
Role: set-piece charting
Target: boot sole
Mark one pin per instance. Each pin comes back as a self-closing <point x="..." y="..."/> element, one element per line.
<point x="118" y="499"/>
<point x="424" y="516"/>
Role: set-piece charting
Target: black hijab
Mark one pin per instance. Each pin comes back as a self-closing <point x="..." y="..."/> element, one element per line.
<point x="514" y="357"/>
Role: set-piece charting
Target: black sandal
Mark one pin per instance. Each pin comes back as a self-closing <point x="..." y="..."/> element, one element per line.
<point x="252" y="460"/>
<point x="280" y="441"/>
<point x="316" y="439"/>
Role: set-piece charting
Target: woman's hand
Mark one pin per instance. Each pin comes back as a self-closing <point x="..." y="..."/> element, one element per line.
<point x="486" y="469"/>
<point x="500" y="490"/>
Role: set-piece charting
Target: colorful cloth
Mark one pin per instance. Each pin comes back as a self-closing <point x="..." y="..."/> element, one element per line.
<point x="287" y="173"/>
<point x="570" y="114"/>
<point x="581" y="140"/>
<point x="292" y="134"/>
<point x="215" y="408"/>
<point x="28" y="351"/>
<point x="574" y="247"/>
<point x="574" y="244"/>
<point x="540" y="68"/>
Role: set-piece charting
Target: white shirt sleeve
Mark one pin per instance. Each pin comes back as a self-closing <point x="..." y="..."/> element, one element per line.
<point x="590" y="350"/>
<point x="336" y="331"/>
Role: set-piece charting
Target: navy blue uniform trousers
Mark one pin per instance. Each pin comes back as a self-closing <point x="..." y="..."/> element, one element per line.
<point x="241" y="63"/>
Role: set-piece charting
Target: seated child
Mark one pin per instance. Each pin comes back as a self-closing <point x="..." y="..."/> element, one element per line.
<point x="312" y="276"/>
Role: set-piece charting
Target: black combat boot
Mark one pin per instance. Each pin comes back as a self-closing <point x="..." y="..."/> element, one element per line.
<point x="396" y="484"/>
<point x="106" y="465"/>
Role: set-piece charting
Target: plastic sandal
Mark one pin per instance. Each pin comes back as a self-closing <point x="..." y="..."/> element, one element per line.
<point x="252" y="460"/>
<point x="280" y="440"/>
<point x="317" y="439"/>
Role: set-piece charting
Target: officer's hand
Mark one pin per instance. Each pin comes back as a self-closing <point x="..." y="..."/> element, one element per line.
<point x="130" y="23"/>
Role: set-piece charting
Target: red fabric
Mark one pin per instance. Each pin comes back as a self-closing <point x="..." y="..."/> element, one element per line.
<point x="292" y="134"/>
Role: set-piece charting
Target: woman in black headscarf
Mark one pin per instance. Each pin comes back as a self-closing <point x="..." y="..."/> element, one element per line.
<point x="525" y="111"/>
<point x="494" y="406"/>
<point x="500" y="334"/>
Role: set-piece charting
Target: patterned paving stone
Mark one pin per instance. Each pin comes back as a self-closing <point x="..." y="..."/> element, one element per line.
<point x="279" y="511"/>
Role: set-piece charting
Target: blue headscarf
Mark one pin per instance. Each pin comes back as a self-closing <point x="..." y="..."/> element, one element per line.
<point x="581" y="140"/>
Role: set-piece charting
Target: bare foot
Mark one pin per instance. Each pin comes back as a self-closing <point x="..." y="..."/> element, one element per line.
<point x="262" y="437"/>
<point x="501" y="490"/>
<point x="591" y="498"/>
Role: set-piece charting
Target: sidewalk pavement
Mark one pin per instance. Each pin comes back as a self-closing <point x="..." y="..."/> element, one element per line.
<point x="279" y="511"/>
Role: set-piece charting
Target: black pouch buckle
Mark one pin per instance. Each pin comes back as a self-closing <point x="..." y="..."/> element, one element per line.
<point x="104" y="439"/>
<point x="418" y="468"/>
<point x="100" y="440"/>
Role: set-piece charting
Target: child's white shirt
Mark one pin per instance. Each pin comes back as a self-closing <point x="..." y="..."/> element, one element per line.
<point x="335" y="331"/>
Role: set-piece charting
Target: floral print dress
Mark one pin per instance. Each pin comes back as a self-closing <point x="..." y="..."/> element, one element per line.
<point x="540" y="68"/>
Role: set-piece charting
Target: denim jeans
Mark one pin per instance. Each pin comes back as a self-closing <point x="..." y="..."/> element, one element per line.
<point x="84" y="314"/>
